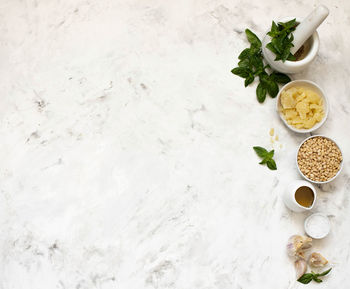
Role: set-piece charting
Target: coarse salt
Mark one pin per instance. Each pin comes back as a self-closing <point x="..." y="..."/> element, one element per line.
<point x="317" y="226"/>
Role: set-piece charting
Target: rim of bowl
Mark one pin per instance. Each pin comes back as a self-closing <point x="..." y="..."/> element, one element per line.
<point x="317" y="214"/>
<point x="341" y="163"/>
<point x="325" y="104"/>
<point x="313" y="49"/>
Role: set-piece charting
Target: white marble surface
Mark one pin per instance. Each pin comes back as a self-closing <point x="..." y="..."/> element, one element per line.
<point x="126" y="154"/>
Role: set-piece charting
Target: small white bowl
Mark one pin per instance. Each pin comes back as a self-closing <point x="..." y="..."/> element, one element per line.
<point x="291" y="66"/>
<point x="305" y="177"/>
<point x="289" y="196"/>
<point x="313" y="86"/>
<point x="326" y="223"/>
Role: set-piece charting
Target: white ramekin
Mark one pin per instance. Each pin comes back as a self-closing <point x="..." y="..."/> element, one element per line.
<point x="317" y="236"/>
<point x="289" y="196"/>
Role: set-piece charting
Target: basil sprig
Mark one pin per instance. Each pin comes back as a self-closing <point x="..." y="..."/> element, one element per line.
<point x="267" y="157"/>
<point x="251" y="65"/>
<point x="281" y="39"/>
<point x="308" y="277"/>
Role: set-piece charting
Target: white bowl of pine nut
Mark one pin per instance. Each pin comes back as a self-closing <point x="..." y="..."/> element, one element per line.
<point x="319" y="159"/>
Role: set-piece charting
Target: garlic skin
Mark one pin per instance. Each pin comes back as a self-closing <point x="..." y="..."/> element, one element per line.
<point x="317" y="260"/>
<point x="300" y="267"/>
<point x="297" y="244"/>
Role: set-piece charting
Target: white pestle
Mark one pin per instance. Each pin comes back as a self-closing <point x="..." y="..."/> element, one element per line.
<point x="308" y="26"/>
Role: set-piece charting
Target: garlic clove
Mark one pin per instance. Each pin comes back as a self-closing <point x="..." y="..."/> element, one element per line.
<point x="317" y="260"/>
<point x="296" y="245"/>
<point x="300" y="254"/>
<point x="300" y="267"/>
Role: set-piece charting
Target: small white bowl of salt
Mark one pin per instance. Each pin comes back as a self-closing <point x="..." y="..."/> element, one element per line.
<point x="317" y="226"/>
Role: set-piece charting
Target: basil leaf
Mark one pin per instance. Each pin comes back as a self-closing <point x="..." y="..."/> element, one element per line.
<point x="248" y="80"/>
<point x="290" y="40"/>
<point x="260" y="151"/>
<point x="244" y="63"/>
<point x="267" y="157"/>
<point x="306" y="278"/>
<point x="285" y="54"/>
<point x="282" y="39"/>
<point x="271" y="164"/>
<point x="278" y="44"/>
<point x="291" y="57"/>
<point x="270" y="154"/>
<point x="251" y="63"/>
<point x="266" y="82"/>
<point x="259" y="71"/>
<point x="260" y="93"/>
<point x="287" y="46"/>
<point x="316" y="279"/>
<point x="244" y="54"/>
<point x="272" y="88"/>
<point x="264" y="78"/>
<point x="252" y="38"/>
<point x="272" y="48"/>
<point x="324" y="273"/>
<point x="241" y="72"/>
<point x="257" y="62"/>
<point x="289" y="25"/>
<point x="280" y="77"/>
<point x="274" y="30"/>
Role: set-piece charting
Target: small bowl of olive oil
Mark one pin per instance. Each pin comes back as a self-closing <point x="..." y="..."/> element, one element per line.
<point x="300" y="196"/>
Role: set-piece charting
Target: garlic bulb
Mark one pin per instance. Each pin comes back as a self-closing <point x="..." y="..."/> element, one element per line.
<point x="300" y="267"/>
<point x="297" y="244"/>
<point x="317" y="260"/>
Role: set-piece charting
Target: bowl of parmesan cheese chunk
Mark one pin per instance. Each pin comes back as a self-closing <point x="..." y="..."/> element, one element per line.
<point x="302" y="106"/>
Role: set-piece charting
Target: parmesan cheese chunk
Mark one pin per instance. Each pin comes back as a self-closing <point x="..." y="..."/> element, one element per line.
<point x="301" y="107"/>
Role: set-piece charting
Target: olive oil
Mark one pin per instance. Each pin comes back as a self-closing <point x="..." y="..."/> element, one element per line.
<point x="304" y="196"/>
